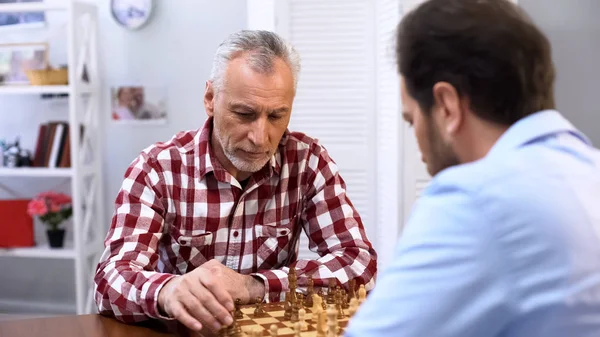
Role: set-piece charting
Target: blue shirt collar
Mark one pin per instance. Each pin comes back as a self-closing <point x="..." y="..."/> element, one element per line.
<point x="533" y="127"/>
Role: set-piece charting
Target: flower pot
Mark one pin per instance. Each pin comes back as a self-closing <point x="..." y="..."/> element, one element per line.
<point x="56" y="238"/>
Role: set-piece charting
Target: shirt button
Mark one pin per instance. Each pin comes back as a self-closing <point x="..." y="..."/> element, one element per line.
<point x="235" y="234"/>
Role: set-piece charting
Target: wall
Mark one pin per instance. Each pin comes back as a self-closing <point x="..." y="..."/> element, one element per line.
<point x="573" y="29"/>
<point x="174" y="50"/>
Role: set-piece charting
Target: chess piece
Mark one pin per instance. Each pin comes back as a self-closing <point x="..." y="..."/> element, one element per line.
<point x="238" y="311"/>
<point x="323" y="303"/>
<point x="362" y="294"/>
<point x="352" y="290"/>
<point x="332" y="322"/>
<point x="353" y="306"/>
<point x="331" y="291"/>
<point x="300" y="299"/>
<point x="322" y="324"/>
<point x="295" y="312"/>
<point x="310" y="290"/>
<point x="234" y="330"/>
<point x="316" y="302"/>
<point x="345" y="303"/>
<point x="338" y="303"/>
<point x="293" y="284"/>
<point x="297" y="329"/>
<point x="259" y="311"/>
<point x="287" y="306"/>
<point x="302" y="318"/>
<point x="316" y="312"/>
<point x="273" y="330"/>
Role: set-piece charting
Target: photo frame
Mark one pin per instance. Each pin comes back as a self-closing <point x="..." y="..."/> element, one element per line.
<point x="16" y="59"/>
<point x="138" y="104"/>
<point x="9" y="21"/>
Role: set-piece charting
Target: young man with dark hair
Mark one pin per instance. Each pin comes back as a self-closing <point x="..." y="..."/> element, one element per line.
<point x="506" y="239"/>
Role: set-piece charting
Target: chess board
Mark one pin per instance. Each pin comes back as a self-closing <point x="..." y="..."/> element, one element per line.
<point x="274" y="315"/>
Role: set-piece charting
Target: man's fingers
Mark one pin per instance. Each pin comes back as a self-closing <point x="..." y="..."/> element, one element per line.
<point x="218" y="291"/>
<point x="197" y="310"/>
<point x="215" y="309"/>
<point x="180" y="313"/>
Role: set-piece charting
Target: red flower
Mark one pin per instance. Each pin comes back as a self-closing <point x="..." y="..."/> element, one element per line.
<point x="54" y="207"/>
<point x="37" y="207"/>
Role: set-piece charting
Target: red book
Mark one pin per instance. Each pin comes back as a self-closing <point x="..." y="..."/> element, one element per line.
<point x="16" y="225"/>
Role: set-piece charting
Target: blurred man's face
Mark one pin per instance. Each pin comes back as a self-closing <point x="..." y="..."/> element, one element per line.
<point x="251" y="113"/>
<point x="436" y="153"/>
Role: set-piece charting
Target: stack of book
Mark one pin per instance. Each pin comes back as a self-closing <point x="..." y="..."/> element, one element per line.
<point x="53" y="147"/>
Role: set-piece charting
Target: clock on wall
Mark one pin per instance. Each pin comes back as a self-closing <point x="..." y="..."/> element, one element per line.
<point x="132" y="14"/>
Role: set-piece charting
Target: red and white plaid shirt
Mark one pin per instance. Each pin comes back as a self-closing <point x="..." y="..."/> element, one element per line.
<point x="178" y="208"/>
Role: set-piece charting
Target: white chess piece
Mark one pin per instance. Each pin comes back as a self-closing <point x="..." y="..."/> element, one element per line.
<point x="297" y="329"/>
<point x="353" y="306"/>
<point x="362" y="294"/>
<point x="302" y="318"/>
<point x="273" y="330"/>
<point x="332" y="322"/>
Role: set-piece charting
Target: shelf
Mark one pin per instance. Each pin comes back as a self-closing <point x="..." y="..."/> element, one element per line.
<point x="36" y="172"/>
<point x="44" y="252"/>
<point x="32" y="7"/>
<point x="34" y="89"/>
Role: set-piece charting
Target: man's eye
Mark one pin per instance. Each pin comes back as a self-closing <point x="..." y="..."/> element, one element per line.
<point x="275" y="117"/>
<point x="244" y="114"/>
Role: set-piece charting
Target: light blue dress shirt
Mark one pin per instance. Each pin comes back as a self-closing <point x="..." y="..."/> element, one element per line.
<point x="507" y="246"/>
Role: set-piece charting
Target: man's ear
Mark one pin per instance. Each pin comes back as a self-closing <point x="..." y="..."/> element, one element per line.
<point x="448" y="101"/>
<point x="209" y="99"/>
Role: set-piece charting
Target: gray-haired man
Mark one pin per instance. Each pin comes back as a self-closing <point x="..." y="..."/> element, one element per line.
<point x="216" y="213"/>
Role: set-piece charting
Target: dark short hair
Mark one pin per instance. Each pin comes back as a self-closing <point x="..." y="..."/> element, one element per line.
<point x="489" y="50"/>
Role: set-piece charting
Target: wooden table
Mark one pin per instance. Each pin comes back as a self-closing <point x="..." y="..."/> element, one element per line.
<point x="87" y="326"/>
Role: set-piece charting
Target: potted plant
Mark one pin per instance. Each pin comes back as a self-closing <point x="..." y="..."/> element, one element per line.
<point x="52" y="209"/>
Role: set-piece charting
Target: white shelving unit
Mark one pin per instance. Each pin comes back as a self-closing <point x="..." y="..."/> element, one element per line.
<point x="85" y="173"/>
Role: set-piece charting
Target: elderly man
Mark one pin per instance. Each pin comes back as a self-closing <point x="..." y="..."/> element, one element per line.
<point x="215" y="214"/>
<point x="505" y="241"/>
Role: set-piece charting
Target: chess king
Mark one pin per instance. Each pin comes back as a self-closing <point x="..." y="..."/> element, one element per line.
<point x="215" y="214"/>
<point x="504" y="241"/>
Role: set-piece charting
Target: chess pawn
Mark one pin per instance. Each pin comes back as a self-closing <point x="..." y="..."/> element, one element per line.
<point x="297" y="329"/>
<point x="353" y="306"/>
<point x="332" y="322"/>
<point x="302" y="318"/>
<point x="362" y="294"/>
<point x="273" y="330"/>
<point x="238" y="311"/>
<point x="322" y="324"/>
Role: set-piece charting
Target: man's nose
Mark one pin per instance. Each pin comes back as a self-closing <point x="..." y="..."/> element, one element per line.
<point x="259" y="134"/>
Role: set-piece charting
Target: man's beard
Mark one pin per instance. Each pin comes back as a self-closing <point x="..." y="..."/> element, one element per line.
<point x="239" y="163"/>
<point x="441" y="155"/>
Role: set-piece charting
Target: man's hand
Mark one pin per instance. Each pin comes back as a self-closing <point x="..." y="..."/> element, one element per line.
<point x="244" y="287"/>
<point x="197" y="298"/>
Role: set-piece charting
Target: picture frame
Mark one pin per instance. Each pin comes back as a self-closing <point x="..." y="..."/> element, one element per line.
<point x="138" y="104"/>
<point x="16" y="59"/>
<point x="11" y="21"/>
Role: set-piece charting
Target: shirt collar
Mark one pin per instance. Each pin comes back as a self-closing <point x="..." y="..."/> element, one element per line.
<point x="207" y="162"/>
<point x="532" y="128"/>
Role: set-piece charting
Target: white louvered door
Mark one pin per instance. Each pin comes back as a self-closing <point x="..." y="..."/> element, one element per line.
<point x="335" y="99"/>
<point x="389" y="131"/>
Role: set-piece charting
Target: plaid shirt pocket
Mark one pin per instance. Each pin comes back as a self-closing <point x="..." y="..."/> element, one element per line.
<point x="198" y="249"/>
<point x="274" y="243"/>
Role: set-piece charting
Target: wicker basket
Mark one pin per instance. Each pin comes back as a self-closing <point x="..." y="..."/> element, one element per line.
<point x="48" y="76"/>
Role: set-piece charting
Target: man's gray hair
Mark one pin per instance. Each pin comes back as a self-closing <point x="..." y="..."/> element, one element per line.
<point x="262" y="48"/>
